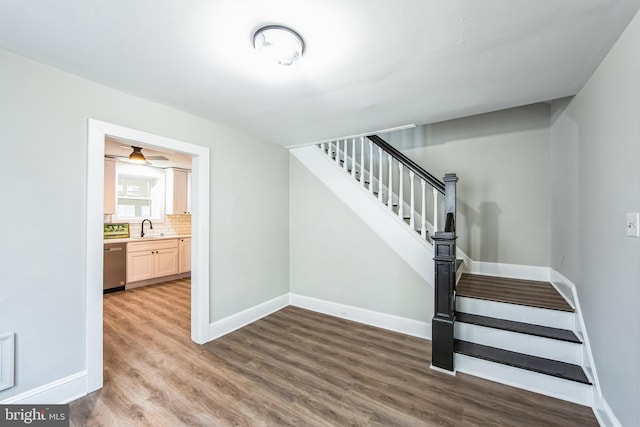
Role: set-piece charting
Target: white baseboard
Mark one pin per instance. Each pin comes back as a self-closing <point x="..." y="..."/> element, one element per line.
<point x="516" y="271"/>
<point x="604" y="414"/>
<point x="236" y="321"/>
<point x="157" y="280"/>
<point x="601" y="409"/>
<point x="373" y="318"/>
<point x="60" y="391"/>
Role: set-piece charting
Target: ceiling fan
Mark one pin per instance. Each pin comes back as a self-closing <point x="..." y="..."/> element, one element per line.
<point x="136" y="156"/>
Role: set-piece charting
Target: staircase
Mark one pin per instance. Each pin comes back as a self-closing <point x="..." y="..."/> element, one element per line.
<point x="518" y="332"/>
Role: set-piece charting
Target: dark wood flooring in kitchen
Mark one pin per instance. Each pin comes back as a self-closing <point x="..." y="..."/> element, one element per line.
<point x="294" y="367"/>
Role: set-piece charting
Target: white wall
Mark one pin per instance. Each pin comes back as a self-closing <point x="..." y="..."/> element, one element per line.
<point x="503" y="165"/>
<point x="596" y="150"/>
<point x="336" y="257"/>
<point x="43" y="119"/>
<point x="250" y="226"/>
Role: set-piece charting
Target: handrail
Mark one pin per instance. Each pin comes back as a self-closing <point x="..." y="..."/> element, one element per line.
<point x="430" y="179"/>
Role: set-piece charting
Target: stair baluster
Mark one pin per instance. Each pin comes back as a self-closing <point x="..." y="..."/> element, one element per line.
<point x="344" y="156"/>
<point x="380" y="179"/>
<point x="435" y="211"/>
<point x="362" y="179"/>
<point x="401" y="193"/>
<point x="370" y="167"/>
<point x="353" y="157"/>
<point x="423" y="219"/>
<point x="390" y="183"/>
<point x="412" y="206"/>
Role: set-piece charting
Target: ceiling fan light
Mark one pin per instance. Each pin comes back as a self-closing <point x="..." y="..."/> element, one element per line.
<point x="136" y="155"/>
<point x="281" y="44"/>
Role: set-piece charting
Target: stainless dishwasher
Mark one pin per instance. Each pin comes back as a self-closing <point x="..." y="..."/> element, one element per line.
<point x="115" y="267"/>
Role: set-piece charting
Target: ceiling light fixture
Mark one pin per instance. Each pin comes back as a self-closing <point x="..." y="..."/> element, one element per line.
<point x="136" y="155"/>
<point x="282" y="44"/>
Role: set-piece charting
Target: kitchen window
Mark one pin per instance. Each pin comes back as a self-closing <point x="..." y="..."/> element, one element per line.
<point x="139" y="193"/>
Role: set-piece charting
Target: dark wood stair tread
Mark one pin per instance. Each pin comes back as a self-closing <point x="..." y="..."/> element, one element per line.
<point x="541" y="365"/>
<point x="520" y="327"/>
<point x="531" y="293"/>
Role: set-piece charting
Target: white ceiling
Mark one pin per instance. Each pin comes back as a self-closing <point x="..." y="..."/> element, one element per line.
<point x="368" y="64"/>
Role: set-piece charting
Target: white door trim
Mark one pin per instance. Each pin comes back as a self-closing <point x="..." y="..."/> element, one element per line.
<point x="97" y="130"/>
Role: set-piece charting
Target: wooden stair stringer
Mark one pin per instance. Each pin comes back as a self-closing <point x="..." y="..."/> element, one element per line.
<point x="413" y="249"/>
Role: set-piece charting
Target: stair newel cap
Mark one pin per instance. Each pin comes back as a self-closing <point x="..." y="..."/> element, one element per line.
<point x="450" y="177"/>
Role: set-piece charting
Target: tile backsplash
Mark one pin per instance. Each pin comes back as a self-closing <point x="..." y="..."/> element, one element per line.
<point x="173" y="224"/>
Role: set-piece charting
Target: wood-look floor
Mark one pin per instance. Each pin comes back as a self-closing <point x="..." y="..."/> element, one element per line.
<point x="294" y="367"/>
<point x="515" y="291"/>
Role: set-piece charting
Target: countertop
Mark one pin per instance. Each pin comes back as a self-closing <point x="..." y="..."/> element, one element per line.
<point x="148" y="238"/>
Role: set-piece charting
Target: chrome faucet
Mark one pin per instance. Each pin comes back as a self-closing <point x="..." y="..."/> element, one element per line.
<point x="142" y="228"/>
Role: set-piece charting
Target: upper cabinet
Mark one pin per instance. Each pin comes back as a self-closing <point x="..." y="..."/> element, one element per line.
<point x="109" y="186"/>
<point x="178" y="198"/>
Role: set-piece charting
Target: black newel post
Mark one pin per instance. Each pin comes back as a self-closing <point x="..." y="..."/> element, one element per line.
<point x="445" y="280"/>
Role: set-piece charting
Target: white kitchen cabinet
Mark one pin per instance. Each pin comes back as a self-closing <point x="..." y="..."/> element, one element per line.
<point x="184" y="255"/>
<point x="189" y="192"/>
<point x="166" y="262"/>
<point x="109" y="186"/>
<point x="178" y="183"/>
<point x="151" y="259"/>
<point x="140" y="265"/>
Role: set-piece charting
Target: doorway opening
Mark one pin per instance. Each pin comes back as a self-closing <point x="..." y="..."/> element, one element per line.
<point x="98" y="131"/>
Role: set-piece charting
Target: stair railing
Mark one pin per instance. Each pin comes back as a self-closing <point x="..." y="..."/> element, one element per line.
<point x="394" y="179"/>
<point x="381" y="169"/>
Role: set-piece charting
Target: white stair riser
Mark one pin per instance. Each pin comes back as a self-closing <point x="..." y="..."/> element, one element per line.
<point x="518" y="313"/>
<point x="539" y="383"/>
<point x="521" y="343"/>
